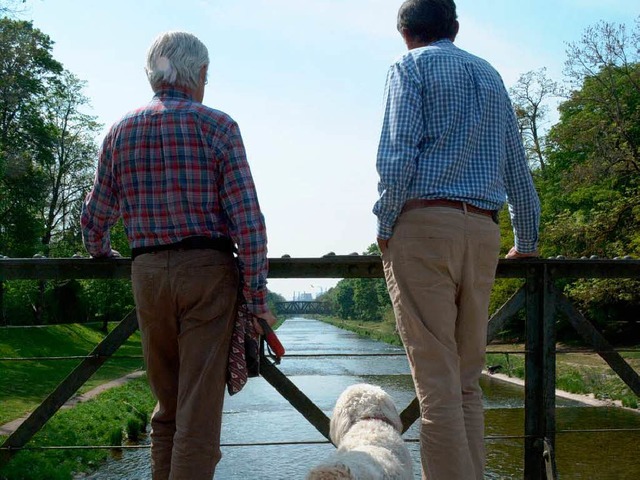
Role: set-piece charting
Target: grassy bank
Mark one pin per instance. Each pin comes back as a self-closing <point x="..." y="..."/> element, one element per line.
<point x="105" y="420"/>
<point x="384" y="331"/>
<point x="24" y="384"/>
<point x="582" y="373"/>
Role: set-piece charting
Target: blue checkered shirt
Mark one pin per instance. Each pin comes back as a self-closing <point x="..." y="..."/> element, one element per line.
<point x="450" y="132"/>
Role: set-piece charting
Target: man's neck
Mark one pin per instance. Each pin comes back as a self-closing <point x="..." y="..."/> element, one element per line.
<point x="416" y="43"/>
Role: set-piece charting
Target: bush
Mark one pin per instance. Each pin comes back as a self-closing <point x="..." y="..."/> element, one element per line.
<point x="134" y="428"/>
<point x="115" y="437"/>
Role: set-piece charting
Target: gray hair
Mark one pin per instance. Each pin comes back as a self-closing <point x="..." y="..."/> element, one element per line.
<point x="176" y="58"/>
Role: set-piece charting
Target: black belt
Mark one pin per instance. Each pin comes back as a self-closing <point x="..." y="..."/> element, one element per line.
<point x="223" y="244"/>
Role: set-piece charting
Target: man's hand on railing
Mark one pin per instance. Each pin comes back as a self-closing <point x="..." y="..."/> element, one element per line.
<point x="112" y="254"/>
<point x="513" y="254"/>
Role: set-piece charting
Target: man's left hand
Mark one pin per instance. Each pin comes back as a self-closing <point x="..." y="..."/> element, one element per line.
<point x="513" y="254"/>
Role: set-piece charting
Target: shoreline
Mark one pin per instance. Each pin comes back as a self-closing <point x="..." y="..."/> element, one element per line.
<point x="10" y="427"/>
<point x="588" y="399"/>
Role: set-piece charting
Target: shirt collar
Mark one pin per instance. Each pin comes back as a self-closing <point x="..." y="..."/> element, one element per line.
<point x="172" y="91"/>
<point x="443" y="42"/>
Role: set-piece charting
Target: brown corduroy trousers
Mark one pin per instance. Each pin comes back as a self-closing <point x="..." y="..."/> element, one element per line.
<point x="185" y="301"/>
<point x="440" y="268"/>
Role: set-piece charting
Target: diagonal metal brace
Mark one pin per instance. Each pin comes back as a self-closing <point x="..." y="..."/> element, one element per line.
<point x="294" y="396"/>
<point x="593" y="337"/>
<point x="68" y="387"/>
<point x="505" y="313"/>
<point x="410" y="414"/>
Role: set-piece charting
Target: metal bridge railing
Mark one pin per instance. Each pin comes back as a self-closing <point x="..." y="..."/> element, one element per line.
<point x="539" y="296"/>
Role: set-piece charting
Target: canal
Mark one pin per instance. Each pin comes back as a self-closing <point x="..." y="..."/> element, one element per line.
<point x="259" y="415"/>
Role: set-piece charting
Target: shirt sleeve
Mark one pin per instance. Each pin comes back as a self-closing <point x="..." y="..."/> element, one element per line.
<point x="522" y="198"/>
<point x="246" y="222"/>
<point x="399" y="145"/>
<point x="100" y="210"/>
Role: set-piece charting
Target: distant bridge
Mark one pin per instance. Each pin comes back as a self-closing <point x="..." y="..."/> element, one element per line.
<point x="302" y="308"/>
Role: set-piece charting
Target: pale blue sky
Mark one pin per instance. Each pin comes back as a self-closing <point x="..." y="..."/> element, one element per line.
<point x="304" y="80"/>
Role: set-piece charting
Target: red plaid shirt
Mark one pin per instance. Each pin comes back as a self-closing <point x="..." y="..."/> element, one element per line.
<point x="174" y="169"/>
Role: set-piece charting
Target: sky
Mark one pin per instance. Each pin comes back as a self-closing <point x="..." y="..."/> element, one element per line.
<point x="304" y="79"/>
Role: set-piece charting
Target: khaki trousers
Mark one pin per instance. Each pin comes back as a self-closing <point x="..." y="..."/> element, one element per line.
<point x="185" y="301"/>
<point x="440" y="268"/>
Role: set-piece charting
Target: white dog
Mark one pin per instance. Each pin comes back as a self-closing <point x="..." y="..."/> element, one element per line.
<point x="365" y="428"/>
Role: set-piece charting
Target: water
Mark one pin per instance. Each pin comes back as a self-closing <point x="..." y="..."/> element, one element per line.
<point x="260" y="414"/>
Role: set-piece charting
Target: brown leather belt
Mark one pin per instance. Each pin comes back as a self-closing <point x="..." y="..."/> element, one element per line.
<point x="414" y="203"/>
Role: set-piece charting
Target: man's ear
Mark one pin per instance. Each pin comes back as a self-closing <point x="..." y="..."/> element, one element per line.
<point x="456" y="29"/>
<point x="406" y="36"/>
<point x="203" y="74"/>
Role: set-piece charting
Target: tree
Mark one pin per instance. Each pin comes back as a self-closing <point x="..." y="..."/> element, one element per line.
<point x="69" y="167"/>
<point x="343" y="295"/>
<point x="592" y="193"/>
<point x="360" y="298"/>
<point x="591" y="187"/>
<point x="26" y="68"/>
<point x="530" y="96"/>
<point x="10" y="7"/>
<point x="273" y="298"/>
<point x="605" y="67"/>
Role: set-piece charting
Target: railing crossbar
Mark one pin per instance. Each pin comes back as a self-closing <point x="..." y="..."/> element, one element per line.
<point x="538" y="295"/>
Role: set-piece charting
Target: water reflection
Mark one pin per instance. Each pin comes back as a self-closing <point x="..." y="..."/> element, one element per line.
<point x="259" y="414"/>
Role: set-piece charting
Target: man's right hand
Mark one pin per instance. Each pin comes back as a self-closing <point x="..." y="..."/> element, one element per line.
<point x="514" y="254"/>
<point x="268" y="317"/>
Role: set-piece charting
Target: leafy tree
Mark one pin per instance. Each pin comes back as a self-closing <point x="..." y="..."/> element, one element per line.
<point x="591" y="188"/>
<point x="26" y="68"/>
<point x="365" y="299"/>
<point x="70" y="166"/>
<point x="273" y="298"/>
<point x="345" y="305"/>
<point x="530" y="96"/>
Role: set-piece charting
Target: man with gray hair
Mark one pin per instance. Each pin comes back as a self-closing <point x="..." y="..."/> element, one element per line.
<point x="176" y="172"/>
<point x="450" y="155"/>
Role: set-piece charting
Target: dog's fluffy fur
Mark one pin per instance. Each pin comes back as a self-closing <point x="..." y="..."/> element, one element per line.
<point x="365" y="428"/>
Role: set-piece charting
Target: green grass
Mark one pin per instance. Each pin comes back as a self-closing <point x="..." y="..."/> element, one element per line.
<point x="24" y="384"/>
<point x="582" y="373"/>
<point x="100" y="421"/>
<point x="383" y="331"/>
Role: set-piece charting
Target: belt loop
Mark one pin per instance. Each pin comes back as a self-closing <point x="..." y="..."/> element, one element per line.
<point x="464" y="207"/>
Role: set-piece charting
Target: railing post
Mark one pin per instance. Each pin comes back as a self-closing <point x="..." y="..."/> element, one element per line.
<point x="3" y="318"/>
<point x="549" y="372"/>
<point x="539" y="371"/>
